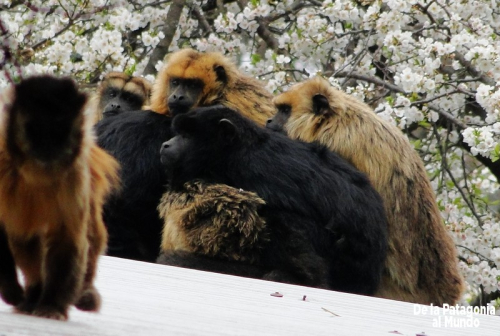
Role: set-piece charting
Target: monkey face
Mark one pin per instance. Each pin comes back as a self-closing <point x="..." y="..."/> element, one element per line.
<point x="184" y="94"/>
<point x="278" y="122"/>
<point x="120" y="92"/>
<point x="172" y="149"/>
<point x="203" y="138"/>
<point x="116" y="101"/>
<point x="172" y="156"/>
<point x="303" y="108"/>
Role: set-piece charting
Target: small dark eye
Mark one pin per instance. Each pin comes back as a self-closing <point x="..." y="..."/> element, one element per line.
<point x="174" y="82"/>
<point x="286" y="109"/>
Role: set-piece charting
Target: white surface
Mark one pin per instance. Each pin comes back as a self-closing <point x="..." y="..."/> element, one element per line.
<point x="148" y="299"/>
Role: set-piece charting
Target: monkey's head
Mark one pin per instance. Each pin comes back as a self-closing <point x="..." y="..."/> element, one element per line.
<point x="120" y="92"/>
<point x="191" y="79"/>
<point x="305" y="107"/>
<point x="45" y="121"/>
<point x="204" y="139"/>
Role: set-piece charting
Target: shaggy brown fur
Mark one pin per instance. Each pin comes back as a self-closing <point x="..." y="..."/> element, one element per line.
<point x="213" y="220"/>
<point x="116" y="84"/>
<point x="53" y="181"/>
<point x="421" y="264"/>
<point x="237" y="91"/>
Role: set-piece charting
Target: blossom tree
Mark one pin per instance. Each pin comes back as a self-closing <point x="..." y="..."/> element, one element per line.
<point x="431" y="67"/>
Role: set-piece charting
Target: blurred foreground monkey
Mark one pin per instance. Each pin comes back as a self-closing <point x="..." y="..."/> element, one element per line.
<point x="53" y="182"/>
<point x="120" y="92"/>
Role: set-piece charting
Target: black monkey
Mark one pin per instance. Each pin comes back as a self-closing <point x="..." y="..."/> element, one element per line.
<point x="134" y="138"/>
<point x="326" y="223"/>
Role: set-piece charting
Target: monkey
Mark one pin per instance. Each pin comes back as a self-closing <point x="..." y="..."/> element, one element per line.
<point x="134" y="139"/>
<point x="53" y="183"/>
<point x="190" y="79"/>
<point x="421" y="265"/>
<point x="120" y="92"/>
<point x="326" y="223"/>
<point x="213" y="220"/>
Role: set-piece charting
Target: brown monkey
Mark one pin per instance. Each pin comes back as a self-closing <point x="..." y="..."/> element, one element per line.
<point x="53" y="181"/>
<point x="191" y="79"/>
<point x="120" y="92"/>
<point x="421" y="264"/>
<point x="213" y="220"/>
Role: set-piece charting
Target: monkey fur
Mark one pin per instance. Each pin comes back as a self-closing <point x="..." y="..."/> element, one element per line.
<point x="421" y="264"/>
<point x="134" y="139"/>
<point x="213" y="220"/>
<point x="119" y="92"/>
<point x="53" y="181"/>
<point x="214" y="80"/>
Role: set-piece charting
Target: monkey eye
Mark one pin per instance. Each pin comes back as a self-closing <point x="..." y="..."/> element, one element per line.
<point x="132" y="98"/>
<point x="174" y="82"/>
<point x="286" y="109"/>
<point x="112" y="93"/>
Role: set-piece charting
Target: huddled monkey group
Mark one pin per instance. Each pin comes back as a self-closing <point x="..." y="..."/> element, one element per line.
<point x="205" y="169"/>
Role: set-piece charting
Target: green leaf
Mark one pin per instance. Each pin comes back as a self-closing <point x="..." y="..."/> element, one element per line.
<point x="417" y="144"/>
<point x="424" y="123"/>
<point x="496" y="153"/>
<point x="255" y="58"/>
<point x="130" y="70"/>
<point x="108" y="26"/>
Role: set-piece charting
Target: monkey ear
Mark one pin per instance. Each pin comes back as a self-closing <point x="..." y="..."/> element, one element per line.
<point x="221" y="73"/>
<point x="321" y="106"/>
<point x="228" y="129"/>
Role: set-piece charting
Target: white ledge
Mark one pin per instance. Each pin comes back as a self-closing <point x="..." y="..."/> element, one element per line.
<point x="147" y="299"/>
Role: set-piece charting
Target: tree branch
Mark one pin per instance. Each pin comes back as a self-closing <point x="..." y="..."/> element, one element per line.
<point x="195" y="8"/>
<point x="13" y="3"/>
<point x="265" y="34"/>
<point x="494" y="167"/>
<point x="171" y="24"/>
<point x="473" y="71"/>
<point x="369" y="79"/>
<point x="446" y="168"/>
<point x="294" y="8"/>
<point x="212" y="4"/>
